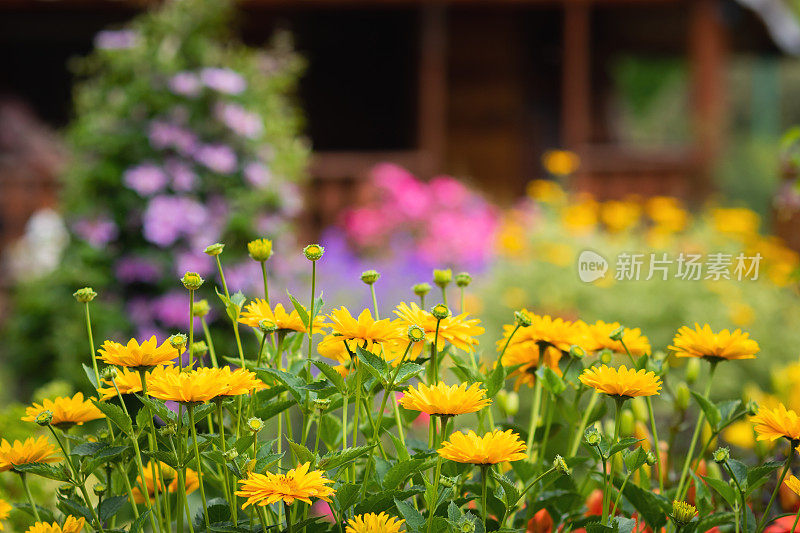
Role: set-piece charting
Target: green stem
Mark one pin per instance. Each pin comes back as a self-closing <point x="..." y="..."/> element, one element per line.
<point x="34" y="509"/>
<point x="444" y="295"/>
<point x="225" y="482"/>
<point x="619" y="494"/>
<point x="796" y="518"/>
<point x="534" y="423"/>
<point x="288" y="521"/>
<point x="607" y="489"/>
<point x="91" y="344"/>
<point x="266" y="283"/>
<point x="181" y="496"/>
<point x="682" y="485"/>
<point x="359" y="376"/>
<point x="484" y="473"/>
<point x="211" y="352"/>
<point x="374" y="300"/>
<point x="508" y="341"/>
<point x="190" y="408"/>
<point x="462" y="299"/>
<point x="576" y="440"/>
<point x="152" y="444"/>
<point x="548" y="409"/>
<point x="742" y="497"/>
<point x="786" y="466"/>
<point x="80" y="482"/>
<point x="437" y="475"/>
<point x="434" y="355"/>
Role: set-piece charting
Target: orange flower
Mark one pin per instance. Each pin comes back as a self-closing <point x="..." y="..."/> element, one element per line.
<point x="296" y="484"/>
<point x="22" y="453"/>
<point x="494" y="447"/>
<point x="135" y="355"/>
<point x="621" y="382"/>
<point x="66" y="411"/>
<point x="440" y="399"/>
<point x="703" y="342"/>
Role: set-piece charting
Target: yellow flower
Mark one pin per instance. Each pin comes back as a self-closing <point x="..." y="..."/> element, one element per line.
<point x="195" y="386"/>
<point x="581" y="217"/>
<point x="528" y="356"/>
<point x="494" y="447"/>
<point x="702" y="342"/>
<point x="792" y="483"/>
<point x="772" y="424"/>
<point x="5" y="510"/>
<point x="618" y="216"/>
<point x="22" y="453"/>
<point x="259" y="310"/>
<point x="740" y="434"/>
<point x="241" y="381"/>
<point x="170" y="479"/>
<point x="458" y="330"/>
<point x="443" y="400"/>
<point x="374" y="523"/>
<point x="621" y="382"/>
<point x="378" y="336"/>
<point x="66" y="411"/>
<point x="547" y="191"/>
<point x="134" y="355"/>
<point x="668" y="213"/>
<point x="737" y="221"/>
<point x="296" y="484"/>
<point x="560" y="162"/>
<point x="71" y="525"/>
<point x="130" y="381"/>
<point x="600" y="332"/>
<point x="544" y="331"/>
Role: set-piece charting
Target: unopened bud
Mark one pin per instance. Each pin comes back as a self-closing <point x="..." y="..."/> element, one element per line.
<point x="592" y="436"/>
<point x="231" y="454"/>
<point x="442" y="278"/>
<point x="313" y="252"/>
<point x="463" y="279"/>
<point x="322" y="403"/>
<point x="260" y="249"/>
<point x="178" y="341"/>
<point x="650" y="458"/>
<point x="199" y="349"/>
<point x="440" y="311"/>
<point x="605" y="356"/>
<point x="85" y="295"/>
<point x="267" y="326"/>
<point x="577" y="352"/>
<point x="370" y="276"/>
<point x="561" y="466"/>
<point x="617" y="334"/>
<point x="416" y="333"/>
<point x="167" y="431"/>
<point x="99" y="489"/>
<point x="110" y="373"/>
<point x="682" y="396"/>
<point x="66" y="490"/>
<point x="522" y="319"/>
<point x="421" y="289"/>
<point x="508" y="402"/>
<point x="682" y="513"/>
<point x="255" y="424"/>
<point x="214" y="249"/>
<point x="44" y="418"/>
<point x="721" y="455"/>
<point x="192" y="281"/>
<point x="692" y="370"/>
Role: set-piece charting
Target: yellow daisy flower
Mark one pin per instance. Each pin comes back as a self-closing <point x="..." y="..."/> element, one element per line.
<point x="621" y="382"/>
<point x="545" y="331"/>
<point x="378" y="336"/>
<point x="241" y="380"/>
<point x="599" y="336"/>
<point x="494" y="447"/>
<point x="5" y="510"/>
<point x="170" y="478"/>
<point x="135" y="355"/>
<point x="443" y="400"/>
<point x="71" y="525"/>
<point x="31" y="451"/>
<point x="458" y="330"/>
<point x="259" y="310"/>
<point x="195" y="386"/>
<point x="67" y="411"/>
<point x="527" y="354"/>
<point x="772" y="424"/>
<point x="296" y="484"/>
<point x="374" y="523"/>
<point x="792" y="483"/>
<point x="703" y="342"/>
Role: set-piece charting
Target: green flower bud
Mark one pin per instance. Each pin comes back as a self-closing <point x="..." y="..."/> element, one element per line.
<point x="199" y="349"/>
<point x="109" y="373"/>
<point x="682" y="513"/>
<point x="178" y="341"/>
<point x="421" y="289"/>
<point x="752" y="407"/>
<point x="682" y="396"/>
<point x="440" y="311"/>
<point x="322" y="404"/>
<point x="99" y="489"/>
<point x="201" y="308"/>
<point x="442" y="278"/>
<point x="370" y="276"/>
<point x="561" y="466"/>
<point x="508" y="402"/>
<point x="255" y="424"/>
<point x="626" y="423"/>
<point x="650" y="458"/>
<point x="267" y="326"/>
<point x="313" y="252"/>
<point x="463" y="279"/>
<point x="617" y="334"/>
<point x="522" y="319"/>
<point x="639" y="408"/>
<point x="66" y="490"/>
<point x="605" y="356"/>
<point x="192" y="281"/>
<point x="260" y="249"/>
<point x="85" y="295"/>
<point x="692" y="370"/>
<point x="592" y="436"/>
<point x="231" y="454"/>
<point x="214" y="249"/>
<point x="467" y="526"/>
<point x="721" y="455"/>
<point x="416" y="333"/>
<point x="44" y="418"/>
<point x="577" y="352"/>
<point x="167" y="431"/>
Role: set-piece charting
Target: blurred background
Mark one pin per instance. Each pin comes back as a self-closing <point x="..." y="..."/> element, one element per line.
<point x="501" y="137"/>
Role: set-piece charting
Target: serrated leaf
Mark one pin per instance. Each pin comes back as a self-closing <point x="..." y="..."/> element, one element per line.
<point x="87" y="448"/>
<point x="71" y="507"/>
<point x="634" y="459"/>
<point x="709" y="409"/>
<point x="332" y="375"/>
<point x="623" y="444"/>
<point x="512" y="495"/>
<point x="408" y="371"/>
<point x="274" y="408"/>
<point x="110" y="506"/>
<point x="722" y="488"/>
<point x="759" y="473"/>
<point x="116" y="415"/>
<point x="293" y="384"/>
<point x="303" y="454"/>
<point x="159" y="408"/>
<point x="44" y="470"/>
<point x="90" y="374"/>
<point x="414" y="519"/>
<point x="138" y="524"/>
<point x="44" y="513"/>
<point x="397" y="474"/>
<point x="346" y="495"/>
<point x="494" y="381"/>
<point x="300" y="309"/>
<point x="374" y="364"/>
<point x="336" y="459"/>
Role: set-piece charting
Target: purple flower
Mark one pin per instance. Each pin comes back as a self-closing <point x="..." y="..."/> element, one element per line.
<point x="217" y="157"/>
<point x="172" y="309"/>
<point x="223" y="80"/>
<point x="257" y="174"/>
<point x="183" y="178"/>
<point x="132" y="269"/>
<point x="185" y="84"/>
<point x="116" y="40"/>
<point x="97" y="232"/>
<point x="194" y="262"/>
<point x="239" y="120"/>
<point x="167" y="218"/>
<point x="164" y="135"/>
<point x="146" y="179"/>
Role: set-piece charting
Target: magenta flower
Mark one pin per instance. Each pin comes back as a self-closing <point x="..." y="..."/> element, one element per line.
<point x="185" y="84"/>
<point x="132" y="269"/>
<point x="217" y="157"/>
<point x="97" y="232"/>
<point x="183" y="177"/>
<point x="257" y="174"/>
<point x="223" y="80"/>
<point x="116" y="40"/>
<point x="167" y="218"/>
<point x="146" y="179"/>
<point x="239" y="120"/>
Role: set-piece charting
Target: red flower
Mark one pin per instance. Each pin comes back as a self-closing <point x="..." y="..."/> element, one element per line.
<point x="540" y="523"/>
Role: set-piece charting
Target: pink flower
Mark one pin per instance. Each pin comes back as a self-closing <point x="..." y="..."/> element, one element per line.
<point x="223" y="80"/>
<point x="146" y="179"/>
<point x="185" y="84"/>
<point x="239" y="120"/>
<point x="257" y="174"/>
<point x="217" y="157"/>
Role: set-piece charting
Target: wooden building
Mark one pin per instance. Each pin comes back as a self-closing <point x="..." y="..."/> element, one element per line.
<point x="475" y="88"/>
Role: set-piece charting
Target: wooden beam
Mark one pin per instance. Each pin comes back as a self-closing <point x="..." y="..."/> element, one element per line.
<point x="576" y="75"/>
<point x="432" y="115"/>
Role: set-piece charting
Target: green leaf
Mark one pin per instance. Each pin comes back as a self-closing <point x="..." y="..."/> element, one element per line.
<point x="87" y="448"/>
<point x="346" y="495"/>
<point x="551" y="381"/>
<point x="293" y="384"/>
<point x="722" y="488"/>
<point x="494" y="381"/>
<point x="624" y="525"/>
<point x="718" y="519"/>
<point x="375" y="364"/>
<point x="44" y="513"/>
<point x="397" y="474"/>
<point x="414" y="520"/>
<point x="273" y="408"/>
<point x="110" y="506"/>
<point x="159" y="408"/>
<point x="335" y="459"/>
<point x="512" y="495"/>
<point x="623" y="444"/>
<point x="739" y="470"/>
<point x="332" y="375"/>
<point x="304" y="455"/>
<point x="399" y="447"/>
<point x="71" y="507"/>
<point x="116" y="415"/>
<point x="300" y="309"/>
<point x="138" y="524"/>
<point x="44" y="470"/>
<point x="408" y="371"/>
<point x="758" y="475"/>
<point x="90" y="374"/>
<point x="635" y="459"/>
<point x="709" y="409"/>
<point x="653" y="508"/>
